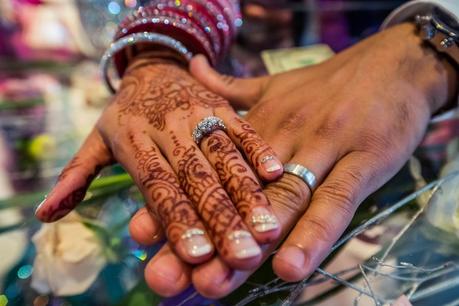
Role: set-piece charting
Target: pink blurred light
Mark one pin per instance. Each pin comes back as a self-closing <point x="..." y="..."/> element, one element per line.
<point x="130" y="3"/>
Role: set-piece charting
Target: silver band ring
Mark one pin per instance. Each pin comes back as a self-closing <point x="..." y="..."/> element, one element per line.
<point x="303" y="173"/>
<point x="206" y="127"/>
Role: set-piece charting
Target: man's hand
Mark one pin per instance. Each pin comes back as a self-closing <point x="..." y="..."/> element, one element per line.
<point x="353" y="120"/>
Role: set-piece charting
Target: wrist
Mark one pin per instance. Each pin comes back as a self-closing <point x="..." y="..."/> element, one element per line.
<point x="148" y="68"/>
<point x="155" y="56"/>
<point x="429" y="72"/>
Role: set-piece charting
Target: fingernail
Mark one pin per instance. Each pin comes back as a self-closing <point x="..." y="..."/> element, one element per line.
<point x="163" y="268"/>
<point x="243" y="245"/>
<point x="196" y="243"/>
<point x="40" y="205"/>
<point x="271" y="164"/>
<point x="263" y="220"/>
<point x="293" y="256"/>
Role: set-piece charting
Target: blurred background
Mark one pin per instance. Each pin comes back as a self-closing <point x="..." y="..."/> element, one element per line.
<point x="51" y="94"/>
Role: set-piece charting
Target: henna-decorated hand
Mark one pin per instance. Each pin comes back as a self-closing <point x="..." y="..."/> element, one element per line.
<point x="147" y="128"/>
<point x="353" y="120"/>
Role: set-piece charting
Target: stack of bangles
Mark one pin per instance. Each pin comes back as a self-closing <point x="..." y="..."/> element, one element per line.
<point x="186" y="27"/>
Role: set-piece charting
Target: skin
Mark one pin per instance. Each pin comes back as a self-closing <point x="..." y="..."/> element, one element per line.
<point x="353" y="120"/>
<point x="147" y="128"/>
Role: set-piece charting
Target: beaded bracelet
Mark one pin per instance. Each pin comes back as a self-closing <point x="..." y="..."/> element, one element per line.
<point x="143" y="37"/>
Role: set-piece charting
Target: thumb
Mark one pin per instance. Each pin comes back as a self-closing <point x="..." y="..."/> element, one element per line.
<point x="75" y="179"/>
<point x="242" y="93"/>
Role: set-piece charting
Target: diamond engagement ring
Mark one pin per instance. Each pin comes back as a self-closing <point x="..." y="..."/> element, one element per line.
<point x="303" y="173"/>
<point x="206" y="127"/>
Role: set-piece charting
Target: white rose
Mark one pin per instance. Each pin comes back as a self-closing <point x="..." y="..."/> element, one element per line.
<point x="69" y="257"/>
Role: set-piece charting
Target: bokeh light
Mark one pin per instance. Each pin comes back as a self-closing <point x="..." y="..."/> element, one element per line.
<point x="130" y="3"/>
<point x="3" y="300"/>
<point x="25" y="271"/>
<point x="140" y="254"/>
<point x="114" y="8"/>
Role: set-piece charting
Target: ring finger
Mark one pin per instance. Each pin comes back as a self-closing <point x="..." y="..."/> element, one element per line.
<point x="199" y="180"/>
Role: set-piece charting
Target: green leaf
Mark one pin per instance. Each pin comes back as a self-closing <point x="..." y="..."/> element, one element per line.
<point x="110" y="180"/>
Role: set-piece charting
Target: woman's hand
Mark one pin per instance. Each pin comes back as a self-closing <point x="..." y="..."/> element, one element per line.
<point x="353" y="120"/>
<point x="189" y="189"/>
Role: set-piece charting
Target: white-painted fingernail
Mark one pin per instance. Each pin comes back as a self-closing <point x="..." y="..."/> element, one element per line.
<point x="270" y="164"/>
<point x="196" y="243"/>
<point x="274" y="168"/>
<point x="40" y="205"/>
<point x="263" y="220"/>
<point x="243" y="245"/>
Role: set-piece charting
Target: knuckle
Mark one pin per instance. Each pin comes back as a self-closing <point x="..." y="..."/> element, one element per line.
<point x="403" y="114"/>
<point x="219" y="142"/>
<point x="293" y="121"/>
<point x="320" y="229"/>
<point x="118" y="144"/>
<point x="329" y="128"/>
<point x="289" y="193"/>
<point x="336" y="121"/>
<point x="375" y="142"/>
<point x="341" y="193"/>
<point x="262" y="110"/>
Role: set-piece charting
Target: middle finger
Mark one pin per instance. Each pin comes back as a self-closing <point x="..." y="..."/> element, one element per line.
<point x="242" y="185"/>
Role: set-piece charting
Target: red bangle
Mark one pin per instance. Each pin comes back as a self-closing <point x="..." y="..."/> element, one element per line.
<point x="204" y="23"/>
<point x="203" y="26"/>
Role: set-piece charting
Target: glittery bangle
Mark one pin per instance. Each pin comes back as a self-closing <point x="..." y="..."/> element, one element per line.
<point x="217" y="13"/>
<point x="199" y="24"/>
<point x="203" y="7"/>
<point x="200" y="18"/>
<point x="143" y="37"/>
<point x="230" y="12"/>
<point x="173" y="23"/>
<point x="219" y="22"/>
